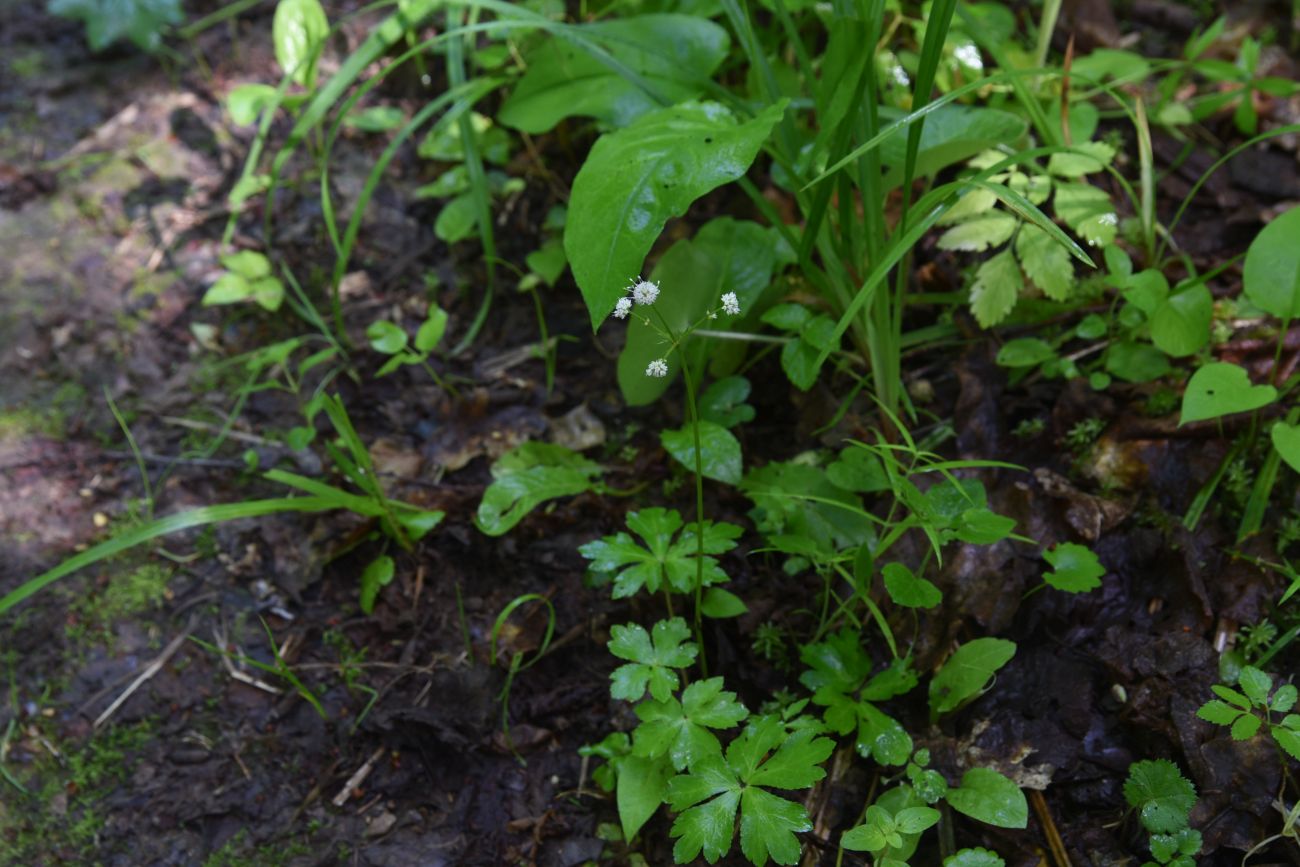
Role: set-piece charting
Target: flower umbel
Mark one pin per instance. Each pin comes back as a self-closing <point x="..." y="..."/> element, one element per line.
<point x="622" y="308"/>
<point x="645" y="292"/>
<point x="731" y="304"/>
<point x="658" y="368"/>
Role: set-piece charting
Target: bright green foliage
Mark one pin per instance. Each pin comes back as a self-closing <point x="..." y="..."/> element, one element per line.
<point x="1181" y="324"/>
<point x="107" y="21"/>
<point x="661" y="559"/>
<point x="299" y="31"/>
<point x="680" y="729"/>
<point x="652" y="658"/>
<point x="642" y="785"/>
<point x="673" y="54"/>
<point x="839" y="674"/>
<point x="247" y="101"/>
<point x="638" y="177"/>
<point x="1218" y="389"/>
<point x="967" y="673"/>
<point x="881" y="831"/>
<point x="1286" y="439"/>
<point x="248" y="277"/>
<point x="389" y="338"/>
<point x="1238" y="709"/>
<point x="1076" y="568"/>
<point x="723" y="402"/>
<point x="526" y="477"/>
<point x="1176" y="850"/>
<point x="726" y="255"/>
<point x="376" y="118"/>
<point x="976" y="226"/>
<point x="720" y="457"/>
<point x="1160" y="794"/>
<point x="908" y="590"/>
<point x="1271" y="275"/>
<point x="709" y="797"/>
<point x="986" y="795"/>
<point x="378" y="573"/>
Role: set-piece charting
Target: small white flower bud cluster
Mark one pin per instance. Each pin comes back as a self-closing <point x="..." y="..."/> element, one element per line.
<point x="731" y="304"/>
<point x="657" y="368"/>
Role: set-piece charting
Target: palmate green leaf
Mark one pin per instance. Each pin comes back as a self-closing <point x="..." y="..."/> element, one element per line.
<point x="1076" y="568"/>
<point x="997" y="286"/>
<point x="991" y="229"/>
<point x="839" y="664"/>
<point x="528" y="476"/>
<point x="674" y="54"/>
<point x="967" y="672"/>
<point x="1046" y="262"/>
<point x="652" y="658"/>
<point x="726" y="255"/>
<point x="638" y="177"/>
<point x="986" y="795"/>
<point x="719" y="450"/>
<point x="680" y="729"/>
<point x="768" y="823"/>
<point x="1218" y="389"/>
<point x="107" y="21"/>
<point x="1089" y="211"/>
<point x="1271" y="274"/>
<point x="1162" y="796"/>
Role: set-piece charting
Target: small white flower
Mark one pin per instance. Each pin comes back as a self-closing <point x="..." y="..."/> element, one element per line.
<point x="645" y="292"/>
<point x="658" y="367"/>
<point x="731" y="304"/>
<point x="623" y="307"/>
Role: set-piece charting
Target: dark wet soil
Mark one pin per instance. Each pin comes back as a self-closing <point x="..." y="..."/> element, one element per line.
<point x="113" y="177"/>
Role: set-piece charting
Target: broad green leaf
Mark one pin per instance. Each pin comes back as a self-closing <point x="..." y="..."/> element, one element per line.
<point x="1082" y="159"/>
<point x="674" y="54"/>
<point x="1245" y="727"/>
<point x="1025" y="352"/>
<point x="1146" y="290"/>
<point x="642" y="784"/>
<point x="1046" y="262"/>
<point x="1076" y="568"/>
<point x="378" y="573"/>
<point x="681" y="729"/>
<point x="981" y="526"/>
<point x="1136" y="362"/>
<point x="1219" y="389"/>
<point x="726" y="255"/>
<point x="1113" y="64"/>
<point x="1284" y="699"/>
<point x="768" y="825"/>
<point x="1181" y="325"/>
<point x="107" y="21"/>
<point x="986" y="795"/>
<point x="299" y="30"/>
<point x="914" y="820"/>
<point x="526" y="477"/>
<point x="548" y="261"/>
<point x="1271" y="275"/>
<point x="247" y="101"/>
<point x="1288" y="737"/>
<point x="707" y="827"/>
<point x="1087" y="210"/>
<point x="638" y="177"/>
<point x="967" y="672"/>
<point x="720" y="457"/>
<point x="457" y="219"/>
<point x="977" y="234"/>
<point x="385" y="337"/>
<point x="907" y="589"/>
<point x="995" y="290"/>
<point x="1163" y="798"/>
<point x="952" y="133"/>
<point x="652" y="659"/>
<point x="1286" y="439"/>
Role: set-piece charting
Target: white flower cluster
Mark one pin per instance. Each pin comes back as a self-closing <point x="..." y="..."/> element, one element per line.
<point x="657" y="368"/>
<point x="731" y="304"/>
<point x="643" y="292"/>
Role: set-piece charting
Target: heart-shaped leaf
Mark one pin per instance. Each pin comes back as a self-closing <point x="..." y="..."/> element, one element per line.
<point x="637" y="178"/>
<point x="1271" y="275"/>
<point x="1286" y="439"/>
<point x="1219" y="389"/>
<point x="719" y="450"/>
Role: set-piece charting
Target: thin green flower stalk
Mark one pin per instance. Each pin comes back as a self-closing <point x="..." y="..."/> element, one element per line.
<point x="643" y="294"/>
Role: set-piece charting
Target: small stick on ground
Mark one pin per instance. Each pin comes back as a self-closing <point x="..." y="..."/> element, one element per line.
<point x="150" y="670"/>
<point x="1054" y="842"/>
<point x="355" y="781"/>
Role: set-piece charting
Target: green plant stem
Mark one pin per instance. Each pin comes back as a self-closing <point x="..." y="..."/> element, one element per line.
<point x="699" y="508"/>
